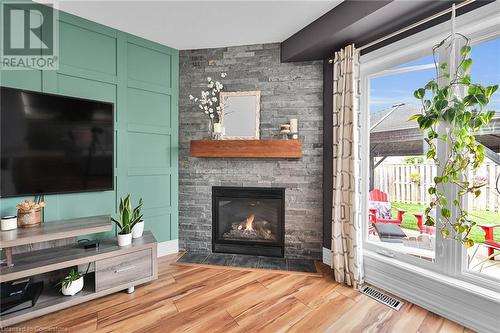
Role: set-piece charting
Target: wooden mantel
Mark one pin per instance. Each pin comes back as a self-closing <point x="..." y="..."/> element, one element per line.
<point x="247" y="148"/>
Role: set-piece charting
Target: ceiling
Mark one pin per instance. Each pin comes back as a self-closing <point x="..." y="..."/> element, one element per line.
<point x="203" y="24"/>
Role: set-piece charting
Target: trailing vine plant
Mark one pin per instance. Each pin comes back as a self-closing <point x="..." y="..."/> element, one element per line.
<point x="457" y="115"/>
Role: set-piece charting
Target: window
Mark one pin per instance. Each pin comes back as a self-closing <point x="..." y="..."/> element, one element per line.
<point x="443" y="278"/>
<point x="397" y="174"/>
<point x="484" y="257"/>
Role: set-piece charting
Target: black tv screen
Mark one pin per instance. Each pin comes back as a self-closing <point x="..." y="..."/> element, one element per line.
<point x="54" y="144"/>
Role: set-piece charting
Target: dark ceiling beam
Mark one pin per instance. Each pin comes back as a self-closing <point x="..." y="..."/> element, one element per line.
<point x="414" y="15"/>
<point x="315" y="40"/>
<point x="362" y="22"/>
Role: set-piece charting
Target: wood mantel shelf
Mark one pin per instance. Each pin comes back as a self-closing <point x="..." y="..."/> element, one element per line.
<point x="247" y="148"/>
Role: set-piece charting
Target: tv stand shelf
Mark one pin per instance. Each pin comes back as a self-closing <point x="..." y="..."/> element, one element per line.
<point x="42" y="261"/>
<point x="115" y="268"/>
<point x="51" y="297"/>
<point x="49" y="231"/>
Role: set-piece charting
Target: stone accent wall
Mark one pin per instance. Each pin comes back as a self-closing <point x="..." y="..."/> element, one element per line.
<point x="288" y="90"/>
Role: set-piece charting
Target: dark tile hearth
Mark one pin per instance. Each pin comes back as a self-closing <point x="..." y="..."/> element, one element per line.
<point x="246" y="261"/>
<point x="220" y="259"/>
<point x="194" y="257"/>
<point x="301" y="265"/>
<point x="273" y="263"/>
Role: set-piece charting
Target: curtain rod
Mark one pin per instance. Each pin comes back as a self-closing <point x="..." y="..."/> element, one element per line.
<point x="411" y="26"/>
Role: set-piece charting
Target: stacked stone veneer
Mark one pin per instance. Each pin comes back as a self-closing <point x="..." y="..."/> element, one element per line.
<point x="288" y="90"/>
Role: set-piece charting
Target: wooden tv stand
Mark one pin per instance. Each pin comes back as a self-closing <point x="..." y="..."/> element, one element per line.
<point x="114" y="268"/>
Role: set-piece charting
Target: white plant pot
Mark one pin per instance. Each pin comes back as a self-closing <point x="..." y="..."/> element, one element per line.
<point x="73" y="288"/>
<point x="138" y="229"/>
<point x="124" y="240"/>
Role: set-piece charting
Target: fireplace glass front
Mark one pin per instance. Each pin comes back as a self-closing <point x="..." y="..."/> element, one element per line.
<point x="248" y="220"/>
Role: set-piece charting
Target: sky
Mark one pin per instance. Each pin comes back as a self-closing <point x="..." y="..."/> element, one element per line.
<point x="389" y="90"/>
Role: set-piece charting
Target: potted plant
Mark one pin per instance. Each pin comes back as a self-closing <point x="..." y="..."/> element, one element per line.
<point x="452" y="113"/>
<point x="138" y="228"/>
<point x="72" y="283"/>
<point x="127" y="219"/>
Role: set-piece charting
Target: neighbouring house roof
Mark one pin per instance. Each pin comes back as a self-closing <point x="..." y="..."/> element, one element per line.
<point x="396" y="136"/>
<point x="397" y="120"/>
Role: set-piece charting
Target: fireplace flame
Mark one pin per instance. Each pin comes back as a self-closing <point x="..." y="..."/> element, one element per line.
<point x="247" y="224"/>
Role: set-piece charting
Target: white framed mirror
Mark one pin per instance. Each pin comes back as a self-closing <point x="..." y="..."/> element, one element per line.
<point x="240" y="114"/>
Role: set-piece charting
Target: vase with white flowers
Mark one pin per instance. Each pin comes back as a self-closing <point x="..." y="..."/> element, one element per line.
<point x="209" y="104"/>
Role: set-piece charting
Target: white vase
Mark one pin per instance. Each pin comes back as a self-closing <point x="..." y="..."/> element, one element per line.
<point x="73" y="288"/>
<point x="124" y="240"/>
<point x="138" y="229"/>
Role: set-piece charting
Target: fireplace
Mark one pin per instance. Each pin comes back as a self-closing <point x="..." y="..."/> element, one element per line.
<point x="248" y="220"/>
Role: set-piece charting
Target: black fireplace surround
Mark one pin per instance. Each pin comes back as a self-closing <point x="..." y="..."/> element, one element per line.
<point x="248" y="220"/>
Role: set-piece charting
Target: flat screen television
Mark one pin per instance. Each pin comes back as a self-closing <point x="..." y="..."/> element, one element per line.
<point x="54" y="144"/>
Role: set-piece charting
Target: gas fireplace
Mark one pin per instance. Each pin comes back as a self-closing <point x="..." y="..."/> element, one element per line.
<point x="248" y="220"/>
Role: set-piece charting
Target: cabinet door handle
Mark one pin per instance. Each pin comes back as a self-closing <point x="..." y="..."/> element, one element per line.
<point x="124" y="269"/>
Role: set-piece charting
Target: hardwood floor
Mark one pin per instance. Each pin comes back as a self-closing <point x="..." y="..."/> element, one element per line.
<point x="201" y="299"/>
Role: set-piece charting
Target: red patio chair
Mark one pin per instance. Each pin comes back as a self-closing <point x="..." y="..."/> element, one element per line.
<point x="379" y="196"/>
<point x="424" y="229"/>
<point x="490" y="238"/>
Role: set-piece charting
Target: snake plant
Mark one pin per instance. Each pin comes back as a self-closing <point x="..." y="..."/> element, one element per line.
<point x="128" y="217"/>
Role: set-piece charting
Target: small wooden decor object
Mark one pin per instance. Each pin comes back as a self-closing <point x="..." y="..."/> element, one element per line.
<point x="29" y="214"/>
<point x="259" y="149"/>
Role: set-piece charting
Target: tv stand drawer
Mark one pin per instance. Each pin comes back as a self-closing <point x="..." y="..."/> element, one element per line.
<point x="123" y="269"/>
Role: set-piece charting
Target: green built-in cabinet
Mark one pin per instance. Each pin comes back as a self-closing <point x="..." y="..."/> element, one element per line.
<point x="141" y="78"/>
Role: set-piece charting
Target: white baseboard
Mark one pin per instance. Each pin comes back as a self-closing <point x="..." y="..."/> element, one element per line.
<point x="453" y="299"/>
<point x="327" y="256"/>
<point x="168" y="247"/>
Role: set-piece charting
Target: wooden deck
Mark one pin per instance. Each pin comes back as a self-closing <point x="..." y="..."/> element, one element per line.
<point x="201" y="299"/>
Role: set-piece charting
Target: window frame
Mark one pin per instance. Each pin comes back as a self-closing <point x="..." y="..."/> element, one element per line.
<point x="379" y="247"/>
<point x="480" y="25"/>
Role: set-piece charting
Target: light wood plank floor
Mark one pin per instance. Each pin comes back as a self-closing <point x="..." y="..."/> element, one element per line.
<point x="201" y="299"/>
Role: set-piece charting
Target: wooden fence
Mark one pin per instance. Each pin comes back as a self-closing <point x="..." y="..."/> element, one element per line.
<point x="409" y="183"/>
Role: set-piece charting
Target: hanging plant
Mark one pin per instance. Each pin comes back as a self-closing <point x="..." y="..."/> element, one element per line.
<point x="458" y="115"/>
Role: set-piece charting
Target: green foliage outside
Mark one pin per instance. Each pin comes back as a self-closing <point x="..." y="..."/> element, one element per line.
<point x="415" y="177"/>
<point x="479" y="216"/>
<point x="414" y="160"/>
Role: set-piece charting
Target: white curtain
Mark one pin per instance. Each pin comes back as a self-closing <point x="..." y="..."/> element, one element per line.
<point x="346" y="227"/>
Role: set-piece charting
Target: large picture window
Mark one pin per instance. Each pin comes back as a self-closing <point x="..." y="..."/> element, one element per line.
<point x="398" y="174"/>
<point x="416" y="262"/>
<point x="484" y="256"/>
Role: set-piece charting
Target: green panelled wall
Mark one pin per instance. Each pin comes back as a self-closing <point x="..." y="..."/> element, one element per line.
<point x="141" y="78"/>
